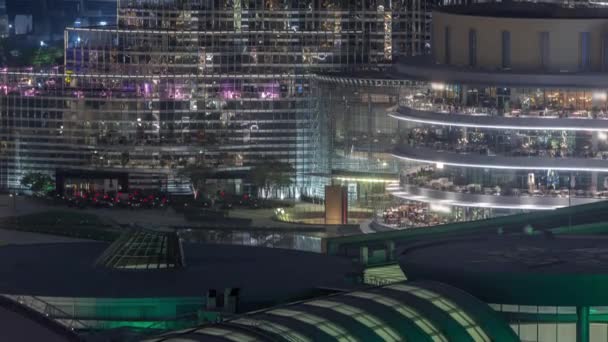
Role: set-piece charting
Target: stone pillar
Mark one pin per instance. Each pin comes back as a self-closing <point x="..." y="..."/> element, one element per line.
<point x="363" y="255"/>
<point x="347" y="128"/>
<point x="371" y="132"/>
<point x="464" y="95"/>
<point x="582" y="324"/>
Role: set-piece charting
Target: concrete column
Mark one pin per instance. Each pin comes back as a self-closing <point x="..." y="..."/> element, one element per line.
<point x="371" y="132"/>
<point x="390" y="250"/>
<point x="582" y="324"/>
<point x="594" y="177"/>
<point x="594" y="141"/>
<point x="347" y="128"/>
<point x="363" y="255"/>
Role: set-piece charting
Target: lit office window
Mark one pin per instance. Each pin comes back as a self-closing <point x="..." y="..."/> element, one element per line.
<point x="472" y="47"/>
<point x="506" y="49"/>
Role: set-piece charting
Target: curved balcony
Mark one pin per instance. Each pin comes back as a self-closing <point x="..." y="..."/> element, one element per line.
<point x="480" y="120"/>
<point x="422" y="68"/>
<point x="476" y="160"/>
<point x="527" y="202"/>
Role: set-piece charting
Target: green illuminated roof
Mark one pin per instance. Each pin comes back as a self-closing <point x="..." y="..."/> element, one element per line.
<point x="449" y="307"/>
<point x="383" y="275"/>
<point x="412" y="311"/>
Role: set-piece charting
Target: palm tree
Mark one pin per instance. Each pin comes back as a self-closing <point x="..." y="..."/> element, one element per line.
<point x="197" y="175"/>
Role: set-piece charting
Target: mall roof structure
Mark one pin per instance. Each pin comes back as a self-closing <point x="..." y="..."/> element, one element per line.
<point x="413" y="311"/>
<point x="69" y="270"/>
<point x="522" y="269"/>
<point x="581" y="219"/>
<point x="144" y="249"/>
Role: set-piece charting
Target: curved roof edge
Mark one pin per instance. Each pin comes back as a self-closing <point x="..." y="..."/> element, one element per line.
<point x="452" y="198"/>
<point x="432" y="156"/>
<point x="422" y="68"/>
<point x="498" y="122"/>
<point x="526" y="10"/>
<point x="523" y="269"/>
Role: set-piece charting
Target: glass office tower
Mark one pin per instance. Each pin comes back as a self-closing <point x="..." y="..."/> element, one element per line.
<point x="211" y="83"/>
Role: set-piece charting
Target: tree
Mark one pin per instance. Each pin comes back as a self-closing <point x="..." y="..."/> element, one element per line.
<point x="47" y="56"/>
<point x="38" y="182"/>
<point x="270" y="173"/>
<point x="124" y="159"/>
<point x="197" y="175"/>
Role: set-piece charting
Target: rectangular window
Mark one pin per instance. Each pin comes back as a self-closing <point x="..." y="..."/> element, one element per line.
<point x="447" y="41"/>
<point x="506" y="49"/>
<point x="472" y="47"/>
<point x="585" y="51"/>
<point x="543" y="45"/>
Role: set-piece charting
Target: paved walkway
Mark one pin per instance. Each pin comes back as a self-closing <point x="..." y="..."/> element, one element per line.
<point x="159" y="218"/>
<point x="143" y="217"/>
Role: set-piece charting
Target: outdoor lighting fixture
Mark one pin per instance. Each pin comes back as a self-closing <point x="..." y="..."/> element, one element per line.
<point x="440" y="208"/>
<point x="599" y="96"/>
<point x="103" y="23"/>
<point x="437" y="86"/>
<point x="602" y="135"/>
<point x="42" y="43"/>
<point x="439" y="166"/>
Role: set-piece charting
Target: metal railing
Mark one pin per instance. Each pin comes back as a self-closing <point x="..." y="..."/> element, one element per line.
<point x="49" y="310"/>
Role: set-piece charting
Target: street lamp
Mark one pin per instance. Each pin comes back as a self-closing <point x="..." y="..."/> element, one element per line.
<point x="13" y="197"/>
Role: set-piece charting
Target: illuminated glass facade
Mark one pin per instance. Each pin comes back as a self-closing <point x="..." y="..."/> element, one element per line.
<point x="537" y="147"/>
<point x="214" y="83"/>
<point x="357" y="137"/>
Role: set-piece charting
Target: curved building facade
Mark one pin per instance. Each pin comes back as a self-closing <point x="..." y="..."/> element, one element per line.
<point x="506" y="116"/>
<point x="219" y="84"/>
<point x="522" y="37"/>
